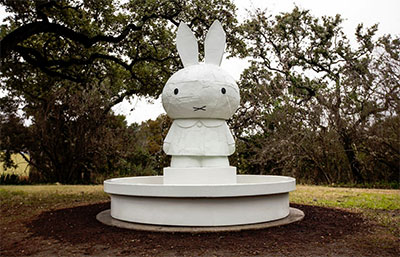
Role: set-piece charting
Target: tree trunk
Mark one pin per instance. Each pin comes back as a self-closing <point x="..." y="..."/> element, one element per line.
<point x="355" y="165"/>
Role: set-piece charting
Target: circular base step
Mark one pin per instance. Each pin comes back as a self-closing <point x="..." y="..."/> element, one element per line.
<point x="105" y="218"/>
<point x="147" y="200"/>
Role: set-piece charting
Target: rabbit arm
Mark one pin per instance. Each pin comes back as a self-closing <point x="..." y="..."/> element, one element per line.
<point x="166" y="147"/>
<point x="230" y="140"/>
<point x="168" y="139"/>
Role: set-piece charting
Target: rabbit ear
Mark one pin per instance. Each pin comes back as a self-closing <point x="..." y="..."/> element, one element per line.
<point x="215" y="44"/>
<point x="186" y="44"/>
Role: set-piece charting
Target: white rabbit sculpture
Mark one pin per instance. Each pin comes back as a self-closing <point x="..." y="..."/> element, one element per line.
<point x="199" y="99"/>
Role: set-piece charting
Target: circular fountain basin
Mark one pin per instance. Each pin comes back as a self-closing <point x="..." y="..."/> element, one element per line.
<point x="253" y="199"/>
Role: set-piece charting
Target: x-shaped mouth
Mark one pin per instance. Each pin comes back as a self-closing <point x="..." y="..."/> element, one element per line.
<point x="203" y="108"/>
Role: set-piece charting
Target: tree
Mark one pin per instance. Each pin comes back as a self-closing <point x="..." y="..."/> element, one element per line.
<point x="147" y="156"/>
<point x="314" y="98"/>
<point x="67" y="63"/>
<point x="130" y="45"/>
<point x="65" y="143"/>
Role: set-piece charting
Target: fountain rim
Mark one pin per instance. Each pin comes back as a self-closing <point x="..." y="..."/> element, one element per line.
<point x="248" y="185"/>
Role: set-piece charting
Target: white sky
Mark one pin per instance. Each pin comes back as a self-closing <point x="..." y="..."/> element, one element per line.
<point x="368" y="12"/>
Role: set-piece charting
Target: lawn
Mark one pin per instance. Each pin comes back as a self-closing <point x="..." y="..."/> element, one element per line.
<point x="33" y="218"/>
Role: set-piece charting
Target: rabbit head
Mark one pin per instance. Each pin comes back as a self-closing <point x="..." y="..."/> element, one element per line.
<point x="201" y="90"/>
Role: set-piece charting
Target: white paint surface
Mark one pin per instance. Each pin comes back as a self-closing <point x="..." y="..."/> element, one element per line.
<point x="201" y="91"/>
<point x="148" y="200"/>
<point x="187" y="45"/>
<point x="199" y="98"/>
<point x="215" y="44"/>
<point x="200" y="188"/>
<point x="201" y="137"/>
<point x="247" y="185"/>
<point x="200" y="211"/>
<point x="200" y="176"/>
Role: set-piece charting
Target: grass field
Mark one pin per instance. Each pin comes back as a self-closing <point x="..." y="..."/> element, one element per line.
<point x="378" y="204"/>
<point x="21" y="205"/>
<point x="353" y="198"/>
<point x="47" y="197"/>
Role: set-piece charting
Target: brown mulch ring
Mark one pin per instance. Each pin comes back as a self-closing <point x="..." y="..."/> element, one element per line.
<point x="76" y="232"/>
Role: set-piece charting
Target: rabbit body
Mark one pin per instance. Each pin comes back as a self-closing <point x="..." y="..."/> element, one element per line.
<point x="199" y="137"/>
<point x="200" y="98"/>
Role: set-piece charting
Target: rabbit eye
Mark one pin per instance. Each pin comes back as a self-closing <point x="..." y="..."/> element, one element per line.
<point x="176" y="91"/>
<point x="223" y="90"/>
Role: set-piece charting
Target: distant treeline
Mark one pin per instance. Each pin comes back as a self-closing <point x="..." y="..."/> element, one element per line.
<point x="313" y="106"/>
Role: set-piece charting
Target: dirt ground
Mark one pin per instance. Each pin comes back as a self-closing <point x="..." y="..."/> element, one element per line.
<point x="76" y="232"/>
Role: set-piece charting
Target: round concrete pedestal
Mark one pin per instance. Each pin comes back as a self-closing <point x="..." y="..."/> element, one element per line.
<point x="105" y="218"/>
<point x="147" y="200"/>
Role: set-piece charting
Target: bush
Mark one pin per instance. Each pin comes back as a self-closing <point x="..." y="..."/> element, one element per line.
<point x="13" y="179"/>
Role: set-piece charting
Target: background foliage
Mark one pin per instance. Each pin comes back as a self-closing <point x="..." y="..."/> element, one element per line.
<point x="314" y="106"/>
<point x="67" y="63"/>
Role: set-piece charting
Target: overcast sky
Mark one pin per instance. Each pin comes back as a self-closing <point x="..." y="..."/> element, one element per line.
<point x="368" y="12"/>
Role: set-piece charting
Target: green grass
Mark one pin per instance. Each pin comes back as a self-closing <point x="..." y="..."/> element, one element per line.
<point x="378" y="205"/>
<point x="51" y="194"/>
<point x="377" y="199"/>
<point x="23" y="202"/>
